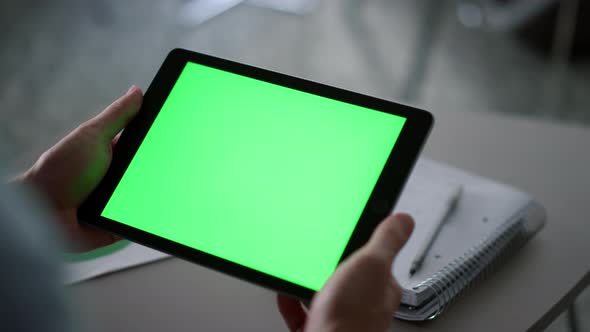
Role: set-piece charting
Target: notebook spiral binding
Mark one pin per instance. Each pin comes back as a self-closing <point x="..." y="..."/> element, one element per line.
<point x="468" y="270"/>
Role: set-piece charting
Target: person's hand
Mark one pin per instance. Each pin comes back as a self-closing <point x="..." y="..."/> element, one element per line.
<point x="362" y="294"/>
<point x="68" y="172"/>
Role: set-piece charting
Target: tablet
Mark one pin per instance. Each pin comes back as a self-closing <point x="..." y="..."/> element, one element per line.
<point x="263" y="176"/>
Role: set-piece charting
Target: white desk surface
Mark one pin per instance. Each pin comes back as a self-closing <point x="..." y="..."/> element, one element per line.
<point x="527" y="292"/>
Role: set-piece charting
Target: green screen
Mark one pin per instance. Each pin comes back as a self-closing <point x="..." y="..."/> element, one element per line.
<point x="268" y="177"/>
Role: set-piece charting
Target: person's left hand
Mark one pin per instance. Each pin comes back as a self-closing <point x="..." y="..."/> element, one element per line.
<point x="68" y="172"/>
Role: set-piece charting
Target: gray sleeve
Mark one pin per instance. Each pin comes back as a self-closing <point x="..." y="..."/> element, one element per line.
<point x="30" y="282"/>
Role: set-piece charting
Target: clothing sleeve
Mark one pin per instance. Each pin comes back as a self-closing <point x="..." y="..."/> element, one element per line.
<point x="31" y="285"/>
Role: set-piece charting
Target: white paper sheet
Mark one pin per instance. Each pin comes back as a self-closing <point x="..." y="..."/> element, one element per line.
<point x="123" y="255"/>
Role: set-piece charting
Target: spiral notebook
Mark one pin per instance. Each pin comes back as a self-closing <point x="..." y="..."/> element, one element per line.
<point x="489" y="221"/>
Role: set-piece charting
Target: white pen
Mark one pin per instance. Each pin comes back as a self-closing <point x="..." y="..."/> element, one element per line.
<point x="434" y="229"/>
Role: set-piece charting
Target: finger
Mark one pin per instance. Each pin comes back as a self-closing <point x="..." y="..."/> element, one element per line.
<point x="391" y="235"/>
<point x="117" y="115"/>
<point x="116" y="139"/>
<point x="292" y="312"/>
<point x="88" y="238"/>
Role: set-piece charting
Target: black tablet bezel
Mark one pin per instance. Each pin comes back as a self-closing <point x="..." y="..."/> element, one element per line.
<point x="381" y="201"/>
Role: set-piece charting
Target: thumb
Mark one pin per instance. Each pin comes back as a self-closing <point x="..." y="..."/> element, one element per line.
<point x="391" y="235"/>
<point x="116" y="116"/>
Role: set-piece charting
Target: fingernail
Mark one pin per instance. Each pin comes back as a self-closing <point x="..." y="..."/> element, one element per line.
<point x="405" y="221"/>
<point x="131" y="89"/>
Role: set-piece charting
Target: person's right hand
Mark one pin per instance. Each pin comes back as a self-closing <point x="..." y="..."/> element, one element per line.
<point x="362" y="294"/>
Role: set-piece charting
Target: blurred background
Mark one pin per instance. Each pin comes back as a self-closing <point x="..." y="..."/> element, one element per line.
<point x="62" y="61"/>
